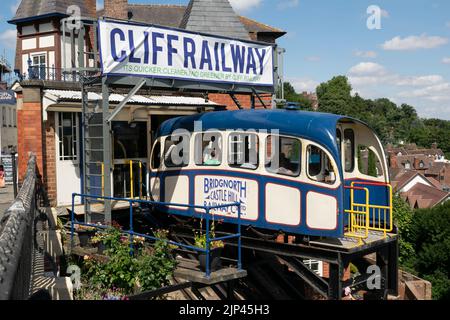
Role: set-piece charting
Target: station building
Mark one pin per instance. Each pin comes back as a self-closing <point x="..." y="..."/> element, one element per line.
<point x="49" y="96"/>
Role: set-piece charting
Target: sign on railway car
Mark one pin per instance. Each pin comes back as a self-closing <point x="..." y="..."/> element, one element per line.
<point x="150" y="51"/>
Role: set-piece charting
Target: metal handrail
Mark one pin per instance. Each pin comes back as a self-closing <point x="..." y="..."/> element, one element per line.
<point x="358" y="225"/>
<point x="381" y="226"/>
<point x="166" y="204"/>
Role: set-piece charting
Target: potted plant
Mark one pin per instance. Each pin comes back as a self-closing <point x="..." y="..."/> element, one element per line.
<point x="85" y="233"/>
<point x="98" y="240"/>
<point x="216" y="248"/>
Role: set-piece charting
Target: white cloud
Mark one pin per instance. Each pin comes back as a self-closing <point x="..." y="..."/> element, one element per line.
<point x="244" y="5"/>
<point x="313" y="59"/>
<point x="430" y="94"/>
<point x="303" y="84"/>
<point x="437" y="93"/>
<point x="415" y="42"/>
<point x="446" y="60"/>
<point x="367" y="69"/>
<point x="8" y="38"/>
<point x="15" y="6"/>
<point x="366" y="54"/>
<point x="287" y="4"/>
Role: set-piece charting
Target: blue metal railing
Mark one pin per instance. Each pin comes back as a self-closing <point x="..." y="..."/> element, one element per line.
<point x="131" y="232"/>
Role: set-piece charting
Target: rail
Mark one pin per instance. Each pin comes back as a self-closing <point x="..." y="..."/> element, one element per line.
<point x="380" y="215"/>
<point x="131" y="232"/>
<point x="17" y="237"/>
<point x="358" y="220"/>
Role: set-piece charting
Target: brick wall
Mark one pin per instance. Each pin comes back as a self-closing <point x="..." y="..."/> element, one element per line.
<point x="29" y="135"/>
<point x="50" y="158"/>
<point x="117" y="9"/>
<point x="326" y="271"/>
<point x="244" y="100"/>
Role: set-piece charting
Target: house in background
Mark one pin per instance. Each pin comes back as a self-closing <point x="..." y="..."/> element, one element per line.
<point x="8" y="113"/>
<point x="419" y="191"/>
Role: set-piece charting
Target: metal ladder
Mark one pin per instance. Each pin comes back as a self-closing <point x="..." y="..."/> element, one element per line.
<point x="93" y="173"/>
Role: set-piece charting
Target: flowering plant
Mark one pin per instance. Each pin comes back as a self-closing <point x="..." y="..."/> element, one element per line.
<point x="200" y="238"/>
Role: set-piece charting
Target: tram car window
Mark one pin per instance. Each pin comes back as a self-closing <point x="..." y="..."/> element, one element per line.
<point x="283" y="155"/>
<point x="243" y="150"/>
<point x="349" y="143"/>
<point x="156" y="156"/>
<point x="320" y="167"/>
<point x="208" y="149"/>
<point x="176" y="151"/>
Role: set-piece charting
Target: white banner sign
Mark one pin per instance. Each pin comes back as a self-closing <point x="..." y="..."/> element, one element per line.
<point x="148" y="51"/>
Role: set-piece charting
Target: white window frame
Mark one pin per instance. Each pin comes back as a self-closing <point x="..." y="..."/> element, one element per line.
<point x="310" y="262"/>
<point x="60" y="137"/>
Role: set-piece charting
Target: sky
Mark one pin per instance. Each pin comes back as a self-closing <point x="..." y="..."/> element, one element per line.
<point x="406" y="58"/>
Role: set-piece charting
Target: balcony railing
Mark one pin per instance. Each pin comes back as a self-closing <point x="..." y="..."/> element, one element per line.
<point x="55" y="74"/>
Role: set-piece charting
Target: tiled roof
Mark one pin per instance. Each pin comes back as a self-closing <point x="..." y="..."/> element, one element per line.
<point x="422" y="196"/>
<point x="215" y="17"/>
<point x="164" y="15"/>
<point x="172" y="16"/>
<point x="435" y="169"/>
<point x="29" y="9"/>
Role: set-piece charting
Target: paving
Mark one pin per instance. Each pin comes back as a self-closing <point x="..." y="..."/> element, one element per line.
<point x="6" y="199"/>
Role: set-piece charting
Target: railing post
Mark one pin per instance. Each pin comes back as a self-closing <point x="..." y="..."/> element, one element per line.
<point x="208" y="251"/>
<point x="131" y="228"/>
<point x="131" y="180"/>
<point x="72" y="215"/>
<point x="239" y="238"/>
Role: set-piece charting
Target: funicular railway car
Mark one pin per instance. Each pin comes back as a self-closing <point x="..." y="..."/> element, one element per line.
<point x="303" y="173"/>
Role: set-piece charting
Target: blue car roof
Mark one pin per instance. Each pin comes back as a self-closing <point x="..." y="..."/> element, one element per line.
<point x="315" y="126"/>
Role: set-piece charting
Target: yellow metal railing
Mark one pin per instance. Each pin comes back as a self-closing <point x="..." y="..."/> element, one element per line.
<point x="380" y="215"/>
<point x="365" y="217"/>
<point x="358" y="216"/>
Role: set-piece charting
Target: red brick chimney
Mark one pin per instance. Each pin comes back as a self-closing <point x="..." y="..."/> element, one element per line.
<point x="116" y="9"/>
<point x="91" y="6"/>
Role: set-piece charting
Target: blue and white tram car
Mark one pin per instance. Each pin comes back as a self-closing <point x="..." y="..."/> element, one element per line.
<point x="303" y="173"/>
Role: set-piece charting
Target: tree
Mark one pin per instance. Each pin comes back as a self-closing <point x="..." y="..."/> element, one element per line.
<point x="290" y="95"/>
<point x="430" y="237"/>
<point x="335" y="96"/>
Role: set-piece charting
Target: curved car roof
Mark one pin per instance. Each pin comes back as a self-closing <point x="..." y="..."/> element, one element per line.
<point x="315" y="126"/>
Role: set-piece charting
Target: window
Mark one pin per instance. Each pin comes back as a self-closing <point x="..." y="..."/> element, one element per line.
<point x="243" y="151"/>
<point x="283" y="155"/>
<point x="349" y="145"/>
<point x="339" y="140"/>
<point x="314" y="265"/>
<point x="4" y="116"/>
<point x="67" y="132"/>
<point x="176" y="151"/>
<point x="407" y="165"/>
<point x="38" y="66"/>
<point x="14" y="118"/>
<point x="319" y="166"/>
<point x="156" y="156"/>
<point x="208" y="149"/>
<point x="369" y="164"/>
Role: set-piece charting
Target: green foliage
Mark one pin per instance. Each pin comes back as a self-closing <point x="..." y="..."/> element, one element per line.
<point x="156" y="265"/>
<point x="291" y="95"/>
<point x="428" y="233"/>
<point x="146" y="269"/>
<point x="403" y="217"/>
